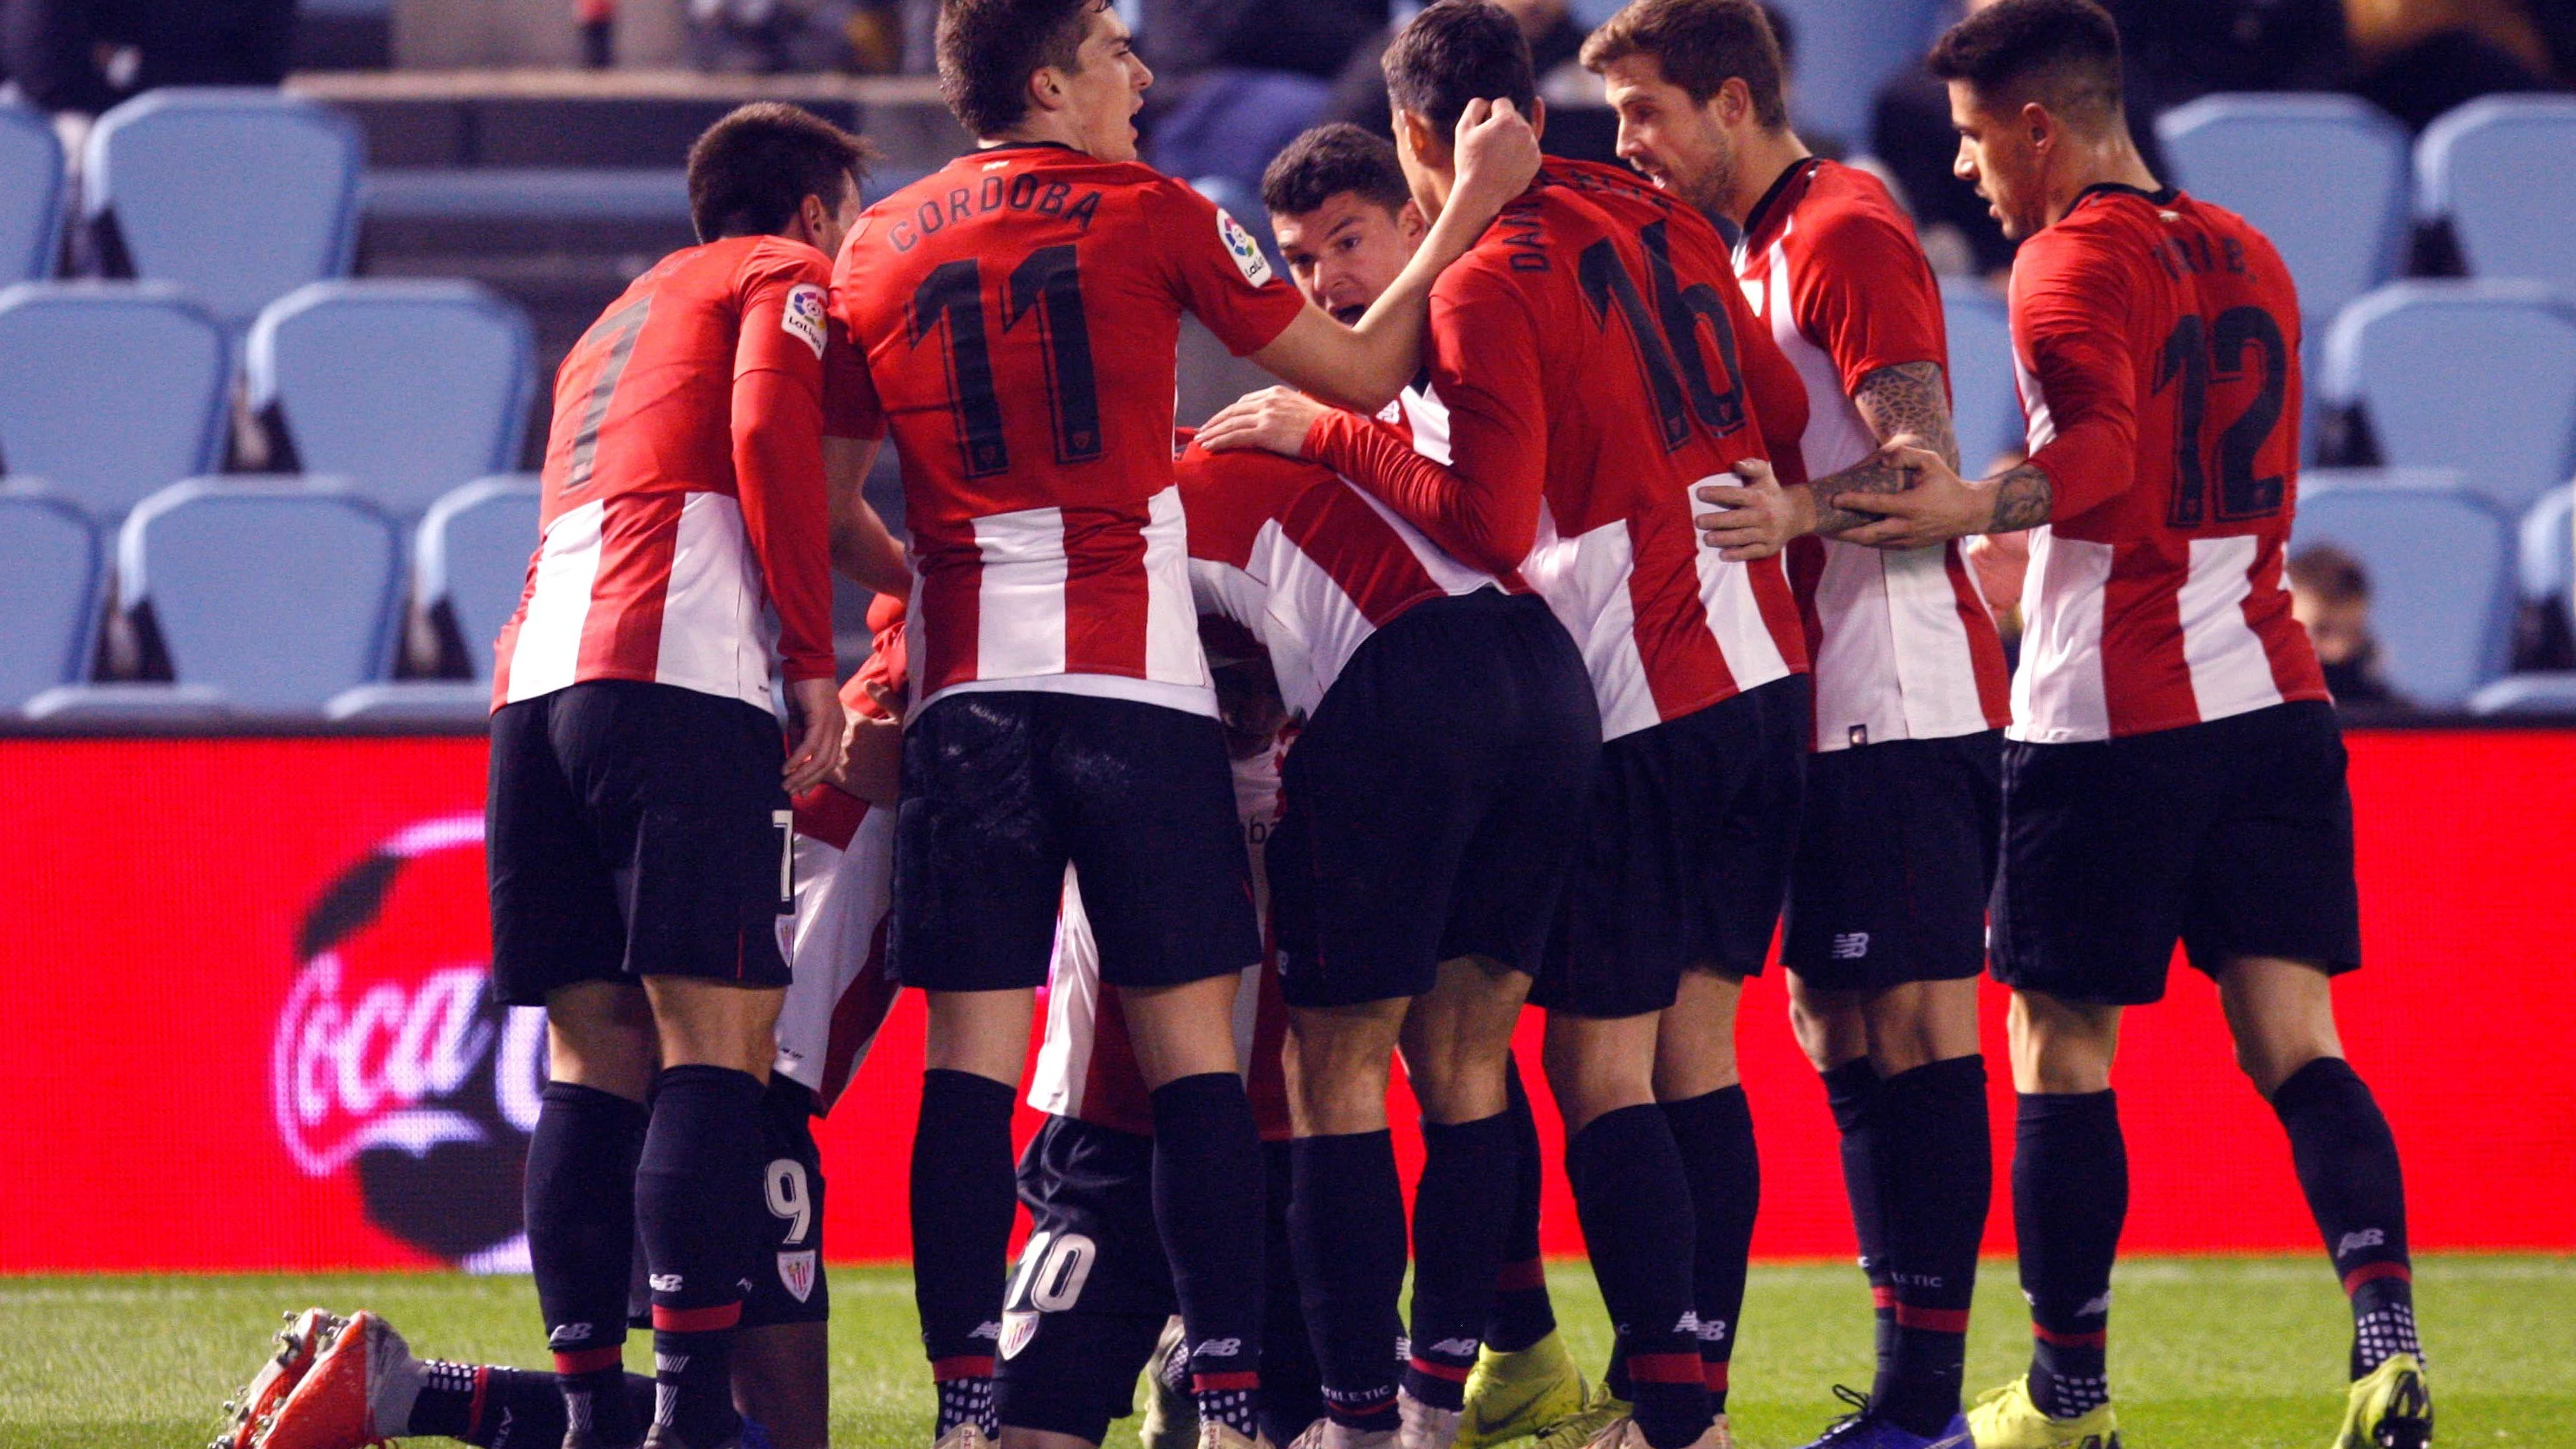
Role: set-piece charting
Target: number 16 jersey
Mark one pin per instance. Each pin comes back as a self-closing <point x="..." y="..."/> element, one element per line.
<point x="2157" y="342"/>
<point x="1019" y="315"/>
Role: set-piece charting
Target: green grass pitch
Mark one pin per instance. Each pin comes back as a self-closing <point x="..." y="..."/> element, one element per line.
<point x="2208" y="1353"/>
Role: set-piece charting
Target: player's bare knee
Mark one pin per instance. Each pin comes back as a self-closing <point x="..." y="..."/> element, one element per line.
<point x="1829" y="1025"/>
<point x="1182" y="1031"/>
<point x="1457" y="1039"/>
<point x="715" y="1023"/>
<point x="599" y="1034"/>
<point x="985" y="1033"/>
<point x="1596" y="1065"/>
<point x="1338" y="1062"/>
<point x="2062" y="1047"/>
<point x="1921" y="1022"/>
<point x="2281" y="1014"/>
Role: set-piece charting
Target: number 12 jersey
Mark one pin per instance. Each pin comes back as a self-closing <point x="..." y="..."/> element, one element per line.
<point x="1019" y="316"/>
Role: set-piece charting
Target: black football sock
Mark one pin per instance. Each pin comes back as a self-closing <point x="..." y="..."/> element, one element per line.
<point x="2347" y="1164"/>
<point x="1522" y="1313"/>
<point x="1634" y="1202"/>
<point x="1936" y="1159"/>
<point x="1208" y="1208"/>
<point x="1292" y="1389"/>
<point x="695" y="1193"/>
<point x="580" y="1203"/>
<point x="502" y="1408"/>
<point x="1467" y="1168"/>
<point x="964" y="1196"/>
<point x="1346" y="1225"/>
<point x="1851" y="1092"/>
<point x="2070" y="1178"/>
<point x="1715" y="1134"/>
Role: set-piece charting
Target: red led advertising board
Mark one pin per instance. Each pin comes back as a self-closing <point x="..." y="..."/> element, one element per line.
<point x="244" y="1024"/>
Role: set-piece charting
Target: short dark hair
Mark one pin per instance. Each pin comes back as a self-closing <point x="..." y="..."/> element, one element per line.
<point x="2063" y="53"/>
<point x="1700" y="45"/>
<point x="1329" y="160"/>
<point x="1455" y="53"/>
<point x="2329" y="573"/>
<point x="752" y="169"/>
<point x="988" y="49"/>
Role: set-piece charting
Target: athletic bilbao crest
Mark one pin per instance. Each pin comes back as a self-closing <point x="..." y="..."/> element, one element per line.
<point x="391" y="1060"/>
<point x="1018" y="1327"/>
<point x="796" y="1274"/>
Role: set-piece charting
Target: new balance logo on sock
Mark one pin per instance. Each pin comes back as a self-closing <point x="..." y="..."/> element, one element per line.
<point x="1689" y="1325"/>
<point x="1712" y="1330"/>
<point x="2354" y="1242"/>
<point x="568" y="1333"/>
<point x="1851" y="945"/>
<point x="2095" y="1307"/>
<point x="991" y="1329"/>
<point x="1454" y="1347"/>
<point x="1217" y="1348"/>
<point x="665" y="1282"/>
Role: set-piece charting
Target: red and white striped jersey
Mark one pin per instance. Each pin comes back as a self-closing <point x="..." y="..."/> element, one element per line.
<point x="1902" y="644"/>
<point x="1599" y="362"/>
<point x="1020" y="315"/>
<point x="840" y="992"/>
<point x="1087" y="1065"/>
<point x="683" y="535"/>
<point x="1308" y="563"/>
<point x="2157" y="341"/>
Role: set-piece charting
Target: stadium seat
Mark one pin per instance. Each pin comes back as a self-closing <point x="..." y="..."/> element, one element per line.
<point x="49" y="584"/>
<point x="130" y="702"/>
<point x="408" y="389"/>
<point x="2548" y="547"/>
<point x="472" y="559"/>
<point x="109" y="390"/>
<point x="2480" y="376"/>
<point x="452" y="703"/>
<point x="2552" y="693"/>
<point x="240" y="195"/>
<point x="2502" y="169"/>
<point x="1985" y="402"/>
<point x="2323" y="175"/>
<point x="31" y="195"/>
<point x="278" y="592"/>
<point x="2440" y="563"/>
<point x="1847" y="49"/>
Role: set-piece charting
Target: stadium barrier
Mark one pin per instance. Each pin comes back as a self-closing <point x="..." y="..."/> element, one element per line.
<point x="247" y="1027"/>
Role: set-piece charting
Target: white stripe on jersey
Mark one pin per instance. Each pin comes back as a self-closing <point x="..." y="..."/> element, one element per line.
<point x="841" y="899"/>
<point x="2230" y="672"/>
<point x="1171" y="618"/>
<point x="548" y="651"/>
<point x="1019" y="593"/>
<point x="2058" y="692"/>
<point x="718" y="633"/>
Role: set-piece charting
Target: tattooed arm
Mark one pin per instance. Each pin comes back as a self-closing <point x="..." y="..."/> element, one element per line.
<point x="1909" y="400"/>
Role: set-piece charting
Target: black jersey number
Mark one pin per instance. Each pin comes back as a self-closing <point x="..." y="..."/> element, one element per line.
<point x="1667" y="341"/>
<point x="1049" y="284"/>
<point x="2194" y="353"/>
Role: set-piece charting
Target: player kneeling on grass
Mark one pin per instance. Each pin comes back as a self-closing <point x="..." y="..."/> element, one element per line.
<point x="341" y="1383"/>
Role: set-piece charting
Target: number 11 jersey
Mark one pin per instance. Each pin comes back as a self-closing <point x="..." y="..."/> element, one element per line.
<point x="2157" y="342"/>
<point x="1019" y="314"/>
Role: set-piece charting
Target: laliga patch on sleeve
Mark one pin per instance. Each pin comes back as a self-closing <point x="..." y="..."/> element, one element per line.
<point x="1245" y="251"/>
<point x="803" y="316"/>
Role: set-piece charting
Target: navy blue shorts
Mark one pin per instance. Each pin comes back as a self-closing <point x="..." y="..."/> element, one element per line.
<point x="1432" y="803"/>
<point x="2233" y="837"/>
<point x="1001" y="790"/>
<point x="1685" y="855"/>
<point x="636" y="830"/>
<point x="1896" y="857"/>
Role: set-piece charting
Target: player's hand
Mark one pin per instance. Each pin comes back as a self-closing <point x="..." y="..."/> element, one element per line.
<point x="872" y="761"/>
<point x="822" y="732"/>
<point x="1497" y="155"/>
<point x="1275" y="419"/>
<point x="1754" y="519"/>
<point x="1939" y="506"/>
<point x="2001" y="561"/>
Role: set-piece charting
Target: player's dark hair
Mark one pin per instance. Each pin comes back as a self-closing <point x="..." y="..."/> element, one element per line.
<point x="2065" y="54"/>
<point x="988" y="49"/>
<point x="1329" y="160"/>
<point x="2329" y="573"/>
<point x="750" y="171"/>
<point x="1455" y="53"/>
<point x="1699" y="45"/>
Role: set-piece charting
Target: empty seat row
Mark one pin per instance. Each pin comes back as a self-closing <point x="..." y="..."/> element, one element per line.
<point x="111" y="390"/>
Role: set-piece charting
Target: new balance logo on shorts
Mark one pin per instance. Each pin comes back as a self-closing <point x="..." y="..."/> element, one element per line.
<point x="1851" y="945"/>
<point x="2354" y="1242"/>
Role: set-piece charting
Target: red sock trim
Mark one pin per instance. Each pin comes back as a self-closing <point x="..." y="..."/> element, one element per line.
<point x="2373" y="1272"/>
<point x="1454" y="1373"/>
<point x="590" y="1360"/>
<point x="2097" y="1339"/>
<point x="1520" y="1277"/>
<point x="1881" y="1296"/>
<point x="696" y="1320"/>
<point x="474" y="1410"/>
<point x="1225" y="1383"/>
<point x="1713" y="1373"/>
<point x="942" y="1370"/>
<point x="1665" y="1368"/>
<point x="1932" y="1320"/>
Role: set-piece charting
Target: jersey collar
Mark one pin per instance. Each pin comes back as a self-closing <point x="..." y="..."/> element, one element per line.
<point x="1760" y="216"/>
<point x="2161" y="196"/>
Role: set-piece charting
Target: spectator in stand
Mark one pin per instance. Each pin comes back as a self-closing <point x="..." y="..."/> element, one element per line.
<point x="2330" y="595"/>
<point x="81" y="57"/>
<point x="1237" y="80"/>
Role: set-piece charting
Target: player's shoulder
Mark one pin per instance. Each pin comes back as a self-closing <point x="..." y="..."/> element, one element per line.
<point x="1245" y="480"/>
<point x="762" y="258"/>
<point x="1848" y="205"/>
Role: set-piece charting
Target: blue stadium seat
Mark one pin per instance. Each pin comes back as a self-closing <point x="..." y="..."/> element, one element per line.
<point x="2548" y="547"/>
<point x="473" y="557"/>
<point x="240" y="195"/>
<point x="49" y="587"/>
<point x="1985" y="401"/>
<point x="31" y="194"/>
<point x="1847" y="49"/>
<point x="408" y="389"/>
<point x="2551" y="692"/>
<point x="278" y="592"/>
<point x="2323" y="175"/>
<point x="109" y="390"/>
<point x="2441" y="570"/>
<point x="2503" y="169"/>
<point x="2478" y="376"/>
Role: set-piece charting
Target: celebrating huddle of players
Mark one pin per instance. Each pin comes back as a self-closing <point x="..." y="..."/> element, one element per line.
<point x="1603" y="585"/>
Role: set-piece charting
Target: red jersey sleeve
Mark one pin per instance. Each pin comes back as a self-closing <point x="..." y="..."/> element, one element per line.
<point x="1868" y="298"/>
<point x="778" y="447"/>
<point x="2070" y="323"/>
<point x="1483" y="507"/>
<point x="850" y="407"/>
<point x="1218" y="272"/>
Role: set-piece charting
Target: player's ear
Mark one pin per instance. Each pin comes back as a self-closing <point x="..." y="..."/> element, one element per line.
<point x="1538" y="116"/>
<point x="1413" y="134"/>
<point x="2039" y="126"/>
<point x="1409" y="223"/>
